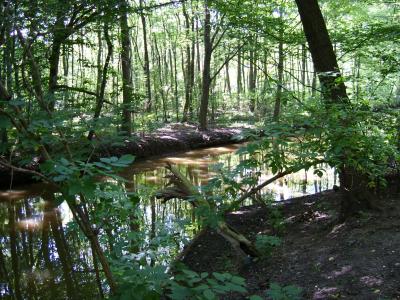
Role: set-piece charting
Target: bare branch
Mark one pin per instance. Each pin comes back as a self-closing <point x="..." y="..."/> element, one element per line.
<point x="75" y="89"/>
<point x="228" y="59"/>
<point x="27" y="171"/>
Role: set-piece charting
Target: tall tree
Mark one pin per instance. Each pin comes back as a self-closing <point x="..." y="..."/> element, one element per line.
<point x="126" y="69"/>
<point x="146" y="59"/>
<point x="189" y="78"/>
<point x="206" y="77"/>
<point x="278" y="96"/>
<point x="353" y="185"/>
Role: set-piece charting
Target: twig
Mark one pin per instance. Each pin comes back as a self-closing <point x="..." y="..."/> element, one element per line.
<point x="27" y="171"/>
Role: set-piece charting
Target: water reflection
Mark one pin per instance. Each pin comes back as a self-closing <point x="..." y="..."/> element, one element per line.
<point x="197" y="166"/>
<point x="43" y="255"/>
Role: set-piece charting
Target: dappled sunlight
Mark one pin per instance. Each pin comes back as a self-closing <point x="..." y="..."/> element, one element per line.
<point x="325" y="293"/>
<point x="31" y="224"/>
<point x="337" y="229"/>
<point x="343" y="270"/>
<point x="66" y="213"/>
<point x="187" y="161"/>
<point x="320" y="215"/>
<point x="371" y="281"/>
<point x="170" y="138"/>
<point x="152" y="179"/>
<point x="13" y="195"/>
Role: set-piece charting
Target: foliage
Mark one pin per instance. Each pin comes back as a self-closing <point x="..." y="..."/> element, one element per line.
<point x="267" y="243"/>
<point x="139" y="282"/>
<point x="289" y="292"/>
<point x="77" y="178"/>
<point x="191" y="285"/>
<point x="321" y="135"/>
<point x="152" y="283"/>
<point x="276" y="219"/>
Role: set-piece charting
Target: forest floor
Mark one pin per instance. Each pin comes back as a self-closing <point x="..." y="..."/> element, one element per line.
<point x="358" y="259"/>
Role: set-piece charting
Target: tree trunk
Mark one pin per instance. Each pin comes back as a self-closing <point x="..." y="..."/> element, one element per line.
<point x="126" y="70"/>
<point x="239" y="77"/>
<point x="189" y="82"/>
<point x="322" y="53"/>
<point x="205" y="94"/>
<point x="252" y="79"/>
<point x="353" y="185"/>
<point x="100" y="96"/>
<point x="146" y="60"/>
<point x="278" y="97"/>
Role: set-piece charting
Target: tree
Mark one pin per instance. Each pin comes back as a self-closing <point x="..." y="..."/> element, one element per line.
<point x="353" y="185"/>
<point x="206" y="77"/>
<point x="146" y="59"/>
<point x="126" y="69"/>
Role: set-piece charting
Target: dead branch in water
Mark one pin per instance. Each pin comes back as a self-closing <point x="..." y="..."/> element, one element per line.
<point x="182" y="188"/>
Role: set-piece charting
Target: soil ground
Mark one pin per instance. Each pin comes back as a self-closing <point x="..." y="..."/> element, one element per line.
<point x="358" y="259"/>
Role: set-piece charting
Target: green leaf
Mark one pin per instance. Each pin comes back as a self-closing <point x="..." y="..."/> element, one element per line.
<point x="219" y="276"/>
<point x="4" y="122"/>
<point x="209" y="295"/>
<point x="255" y="297"/>
<point x="126" y="159"/>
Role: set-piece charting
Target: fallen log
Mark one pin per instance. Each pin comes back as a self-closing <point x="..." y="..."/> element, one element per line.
<point x="180" y="187"/>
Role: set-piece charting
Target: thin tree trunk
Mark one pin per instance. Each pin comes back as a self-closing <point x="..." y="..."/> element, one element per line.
<point x="126" y="70"/>
<point x="227" y="79"/>
<point x="303" y="70"/>
<point x="252" y="79"/>
<point x="205" y="95"/>
<point x="239" y="77"/>
<point x="100" y="97"/>
<point x="278" y="97"/>
<point x="54" y="59"/>
<point x="146" y="60"/>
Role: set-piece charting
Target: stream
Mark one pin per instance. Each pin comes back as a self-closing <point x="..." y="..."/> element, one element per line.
<point x="36" y="255"/>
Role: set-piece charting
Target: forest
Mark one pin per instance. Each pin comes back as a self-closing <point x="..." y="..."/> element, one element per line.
<point x="199" y="149"/>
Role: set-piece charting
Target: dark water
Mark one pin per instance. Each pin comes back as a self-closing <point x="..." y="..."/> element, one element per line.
<point x="43" y="255"/>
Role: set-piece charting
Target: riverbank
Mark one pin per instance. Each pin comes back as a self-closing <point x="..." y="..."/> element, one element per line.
<point x="173" y="138"/>
<point x="358" y="259"/>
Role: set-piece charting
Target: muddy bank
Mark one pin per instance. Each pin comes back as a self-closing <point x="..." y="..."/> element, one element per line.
<point x="168" y="140"/>
<point x="174" y="139"/>
<point x="358" y="259"/>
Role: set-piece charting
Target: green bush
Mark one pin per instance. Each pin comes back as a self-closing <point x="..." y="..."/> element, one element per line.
<point x="265" y="244"/>
<point x="278" y="292"/>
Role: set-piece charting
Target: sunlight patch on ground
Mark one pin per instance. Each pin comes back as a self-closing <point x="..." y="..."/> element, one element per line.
<point x="371" y="281"/>
<point x="325" y="293"/>
<point x="337" y="228"/>
<point x="344" y="270"/>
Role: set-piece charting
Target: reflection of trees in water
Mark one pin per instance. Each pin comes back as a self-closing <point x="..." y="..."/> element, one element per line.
<point x="39" y="255"/>
<point x="36" y="255"/>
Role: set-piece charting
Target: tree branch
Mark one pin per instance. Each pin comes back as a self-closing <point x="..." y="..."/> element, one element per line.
<point x="228" y="59"/>
<point x="75" y="89"/>
<point x="27" y="171"/>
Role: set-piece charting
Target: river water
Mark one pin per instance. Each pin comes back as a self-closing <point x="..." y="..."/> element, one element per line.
<point x="43" y="254"/>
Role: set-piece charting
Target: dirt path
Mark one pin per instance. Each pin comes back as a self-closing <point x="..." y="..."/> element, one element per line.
<point x="359" y="259"/>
